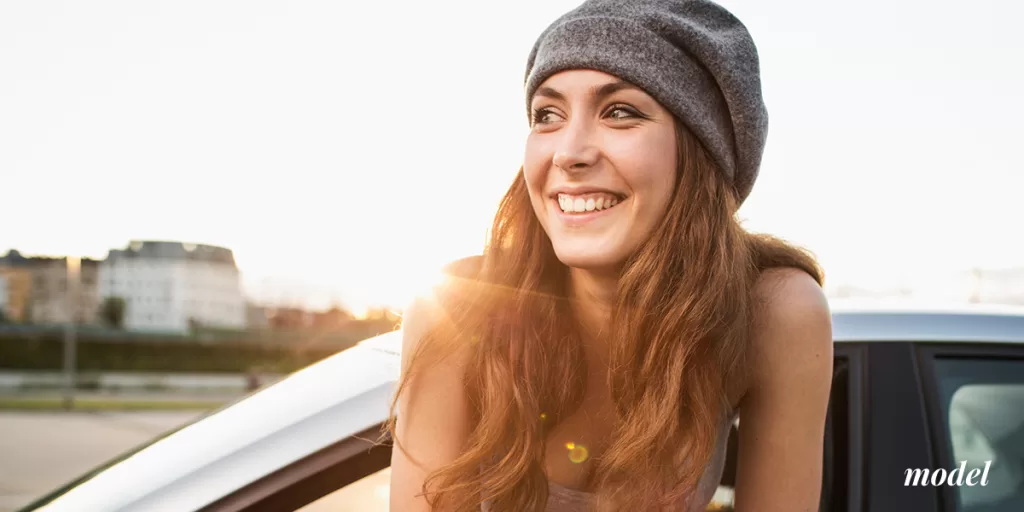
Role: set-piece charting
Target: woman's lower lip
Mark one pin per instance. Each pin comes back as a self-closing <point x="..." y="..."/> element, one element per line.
<point x="574" y="219"/>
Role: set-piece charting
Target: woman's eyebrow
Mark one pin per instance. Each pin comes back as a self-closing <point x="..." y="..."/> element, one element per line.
<point x="597" y="92"/>
<point x="601" y="92"/>
<point x="549" y="92"/>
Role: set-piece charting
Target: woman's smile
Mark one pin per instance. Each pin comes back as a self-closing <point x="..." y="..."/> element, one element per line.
<point x="581" y="203"/>
<point x="578" y="210"/>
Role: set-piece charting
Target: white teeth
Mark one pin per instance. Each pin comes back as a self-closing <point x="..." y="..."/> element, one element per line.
<point x="589" y="203"/>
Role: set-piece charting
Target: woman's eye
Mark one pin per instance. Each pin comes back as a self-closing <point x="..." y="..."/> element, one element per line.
<point x="620" y="112"/>
<point x="543" y="116"/>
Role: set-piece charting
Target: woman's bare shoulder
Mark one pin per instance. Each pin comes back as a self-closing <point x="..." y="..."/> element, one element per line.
<point x="793" y="325"/>
<point x="466" y="268"/>
<point x="433" y="411"/>
<point x="430" y="308"/>
<point x="783" y="410"/>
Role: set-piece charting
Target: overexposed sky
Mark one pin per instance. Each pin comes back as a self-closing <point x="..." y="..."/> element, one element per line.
<point x="354" y="147"/>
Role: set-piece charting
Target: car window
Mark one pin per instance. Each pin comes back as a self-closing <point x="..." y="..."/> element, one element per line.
<point x="983" y="406"/>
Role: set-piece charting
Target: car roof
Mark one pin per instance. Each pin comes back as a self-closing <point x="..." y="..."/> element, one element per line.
<point x="915" y="320"/>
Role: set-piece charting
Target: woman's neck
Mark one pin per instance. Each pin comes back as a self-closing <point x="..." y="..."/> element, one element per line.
<point x="593" y="297"/>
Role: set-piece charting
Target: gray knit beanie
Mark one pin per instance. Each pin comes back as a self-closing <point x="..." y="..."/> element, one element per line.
<point x="692" y="56"/>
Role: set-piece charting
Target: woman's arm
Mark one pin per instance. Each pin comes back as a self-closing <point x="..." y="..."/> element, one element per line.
<point x="782" y="414"/>
<point x="432" y="413"/>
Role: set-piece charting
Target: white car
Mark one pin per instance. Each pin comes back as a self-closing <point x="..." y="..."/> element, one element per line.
<point x="920" y="389"/>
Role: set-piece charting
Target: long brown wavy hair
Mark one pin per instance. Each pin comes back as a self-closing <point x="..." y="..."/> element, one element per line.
<point x="684" y="314"/>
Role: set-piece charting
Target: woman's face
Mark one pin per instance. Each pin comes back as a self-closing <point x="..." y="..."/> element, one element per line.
<point x="600" y="166"/>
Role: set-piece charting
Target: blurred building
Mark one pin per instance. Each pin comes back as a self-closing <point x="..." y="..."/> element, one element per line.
<point x="36" y="289"/>
<point x="297" y="318"/>
<point x="3" y="298"/>
<point x="333" y="318"/>
<point x="174" y="286"/>
<point x="49" y="297"/>
<point x="287" y="318"/>
<point x="257" y="317"/>
<point x="17" y="277"/>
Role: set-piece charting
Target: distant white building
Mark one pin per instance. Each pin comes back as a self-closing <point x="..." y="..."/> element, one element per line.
<point x="169" y="285"/>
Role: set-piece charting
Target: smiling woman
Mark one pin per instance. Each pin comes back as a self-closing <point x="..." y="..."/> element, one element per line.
<point x="625" y="130"/>
<point x="620" y="318"/>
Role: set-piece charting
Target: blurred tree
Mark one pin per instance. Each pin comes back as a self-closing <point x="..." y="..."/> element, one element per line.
<point x="3" y="317"/>
<point x="194" y="325"/>
<point x="290" y="318"/>
<point x="380" y="313"/>
<point x="113" y="310"/>
<point x="334" y="318"/>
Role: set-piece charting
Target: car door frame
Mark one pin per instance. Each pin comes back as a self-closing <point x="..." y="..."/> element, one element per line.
<point x="897" y="430"/>
<point x="855" y="356"/>
<point x="312" y="477"/>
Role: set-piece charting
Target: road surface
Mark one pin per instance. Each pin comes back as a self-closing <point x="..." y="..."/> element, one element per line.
<point x="40" y="451"/>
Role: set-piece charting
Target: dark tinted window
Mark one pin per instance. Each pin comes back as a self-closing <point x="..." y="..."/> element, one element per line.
<point x="983" y="407"/>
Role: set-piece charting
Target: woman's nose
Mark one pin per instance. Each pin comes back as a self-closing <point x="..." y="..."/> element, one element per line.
<point x="577" y="148"/>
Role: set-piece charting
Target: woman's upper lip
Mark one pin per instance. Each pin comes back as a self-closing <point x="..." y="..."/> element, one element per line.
<point x="575" y="191"/>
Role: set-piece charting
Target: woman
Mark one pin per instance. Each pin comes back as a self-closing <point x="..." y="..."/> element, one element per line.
<point x="620" y="318"/>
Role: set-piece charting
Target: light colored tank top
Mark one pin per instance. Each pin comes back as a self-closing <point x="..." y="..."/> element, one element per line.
<point x="564" y="499"/>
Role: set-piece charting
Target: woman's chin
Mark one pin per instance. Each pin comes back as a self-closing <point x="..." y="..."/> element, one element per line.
<point x="591" y="258"/>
